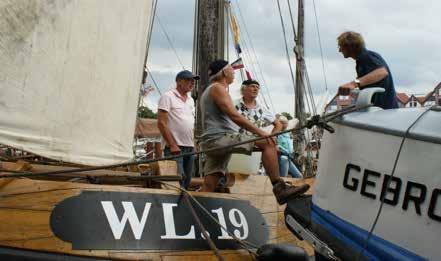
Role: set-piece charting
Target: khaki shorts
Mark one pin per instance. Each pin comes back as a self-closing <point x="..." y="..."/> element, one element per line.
<point x="217" y="161"/>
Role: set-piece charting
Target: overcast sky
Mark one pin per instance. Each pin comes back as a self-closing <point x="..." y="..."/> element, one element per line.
<point x="406" y="33"/>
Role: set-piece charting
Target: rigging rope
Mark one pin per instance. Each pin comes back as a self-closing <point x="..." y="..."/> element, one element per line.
<point x="307" y="90"/>
<point x="320" y="44"/>
<point x="149" y="38"/>
<point x="229" y="18"/>
<point x="195" y="42"/>
<point x="247" y="56"/>
<point x="170" y="43"/>
<point x="151" y="29"/>
<point x="243" y="243"/>
<point x="202" y="228"/>
<point x="255" y="57"/>
<point x="311" y="102"/>
<point x="245" y="53"/>
<point x="310" y="93"/>
<point x="316" y="120"/>
<point x="292" y="20"/>
<point x="304" y="67"/>
<point x="149" y="73"/>
<point x="286" y="46"/>
<point x="227" y="28"/>
<point x="311" y="107"/>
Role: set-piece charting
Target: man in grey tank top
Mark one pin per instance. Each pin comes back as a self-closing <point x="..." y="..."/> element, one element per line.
<point x="219" y="119"/>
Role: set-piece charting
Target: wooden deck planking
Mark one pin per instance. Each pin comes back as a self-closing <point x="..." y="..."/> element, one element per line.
<point x="26" y="204"/>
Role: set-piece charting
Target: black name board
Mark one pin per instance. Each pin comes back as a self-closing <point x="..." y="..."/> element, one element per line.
<point x="119" y="220"/>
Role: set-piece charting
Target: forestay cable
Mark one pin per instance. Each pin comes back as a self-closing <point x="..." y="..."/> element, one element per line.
<point x="286" y="45"/>
<point x="255" y="57"/>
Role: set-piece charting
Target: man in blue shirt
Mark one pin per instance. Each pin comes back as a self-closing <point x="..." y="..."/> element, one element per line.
<point x="372" y="70"/>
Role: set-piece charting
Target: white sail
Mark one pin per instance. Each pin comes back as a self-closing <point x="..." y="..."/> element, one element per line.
<point x="70" y="76"/>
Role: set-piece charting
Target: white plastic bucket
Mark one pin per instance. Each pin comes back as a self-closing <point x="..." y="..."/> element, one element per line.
<point x="245" y="164"/>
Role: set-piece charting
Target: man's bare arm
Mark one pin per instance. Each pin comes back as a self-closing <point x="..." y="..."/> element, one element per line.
<point x="277" y="126"/>
<point x="222" y="99"/>
<point x="165" y="132"/>
<point x="373" y="77"/>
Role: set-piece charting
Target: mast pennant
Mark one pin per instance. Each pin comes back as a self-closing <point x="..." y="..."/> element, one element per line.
<point x="236" y="33"/>
<point x="248" y="75"/>
<point x="238" y="64"/>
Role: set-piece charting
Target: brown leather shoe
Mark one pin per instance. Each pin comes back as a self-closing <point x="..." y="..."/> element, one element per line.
<point x="283" y="191"/>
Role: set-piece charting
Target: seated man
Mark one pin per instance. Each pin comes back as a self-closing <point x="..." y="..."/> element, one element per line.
<point x="219" y="119"/>
<point x="251" y="109"/>
<point x="260" y="116"/>
<point x="286" y="150"/>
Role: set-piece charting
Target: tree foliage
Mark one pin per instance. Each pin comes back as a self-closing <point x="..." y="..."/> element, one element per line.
<point x="287" y="115"/>
<point x="145" y="112"/>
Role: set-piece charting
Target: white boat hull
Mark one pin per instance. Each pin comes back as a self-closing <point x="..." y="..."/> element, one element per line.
<point x="407" y="224"/>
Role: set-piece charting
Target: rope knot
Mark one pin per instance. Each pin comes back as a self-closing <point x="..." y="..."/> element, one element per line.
<point x="317" y="120"/>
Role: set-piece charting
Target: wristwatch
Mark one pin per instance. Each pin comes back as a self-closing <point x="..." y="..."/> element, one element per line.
<point x="357" y="82"/>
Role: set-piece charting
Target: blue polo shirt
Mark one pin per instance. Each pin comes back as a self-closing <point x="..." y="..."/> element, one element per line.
<point x="366" y="62"/>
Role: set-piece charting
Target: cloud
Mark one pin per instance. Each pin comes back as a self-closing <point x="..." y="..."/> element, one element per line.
<point x="404" y="32"/>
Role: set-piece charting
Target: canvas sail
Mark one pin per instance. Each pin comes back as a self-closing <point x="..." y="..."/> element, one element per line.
<point x="70" y="76"/>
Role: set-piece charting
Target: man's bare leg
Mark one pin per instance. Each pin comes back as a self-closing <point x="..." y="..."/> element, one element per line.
<point x="210" y="182"/>
<point x="269" y="159"/>
<point x="281" y="190"/>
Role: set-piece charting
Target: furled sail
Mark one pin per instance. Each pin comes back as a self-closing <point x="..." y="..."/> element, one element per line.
<point x="70" y="73"/>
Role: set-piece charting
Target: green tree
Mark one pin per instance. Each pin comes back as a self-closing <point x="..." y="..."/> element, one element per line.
<point x="145" y="112"/>
<point x="287" y="115"/>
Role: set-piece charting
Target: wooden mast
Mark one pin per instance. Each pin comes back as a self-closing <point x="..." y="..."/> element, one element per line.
<point x="209" y="46"/>
<point x="299" y="138"/>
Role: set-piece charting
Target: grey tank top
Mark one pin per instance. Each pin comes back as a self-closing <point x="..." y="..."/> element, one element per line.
<point x="214" y="122"/>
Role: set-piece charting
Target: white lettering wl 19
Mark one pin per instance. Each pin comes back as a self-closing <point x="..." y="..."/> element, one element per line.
<point x="118" y="226"/>
<point x="235" y="216"/>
